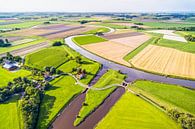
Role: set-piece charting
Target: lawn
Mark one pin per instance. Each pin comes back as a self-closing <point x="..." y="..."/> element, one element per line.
<point x="58" y="96"/>
<point x="7" y="76"/>
<point x="53" y="56"/>
<point x="26" y="24"/>
<point x="102" y="30"/>
<point x="168" y="95"/>
<point x="9" y="114"/>
<point x="95" y="98"/>
<point x="83" y="40"/>
<point x="131" y="112"/>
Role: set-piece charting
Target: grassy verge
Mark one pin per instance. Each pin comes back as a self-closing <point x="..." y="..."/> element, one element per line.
<point x="167" y="95"/>
<point x="9" y="114"/>
<point x="95" y="98"/>
<point x="83" y="40"/>
<point x="7" y="76"/>
<point x="140" y="48"/>
<point x="131" y="112"/>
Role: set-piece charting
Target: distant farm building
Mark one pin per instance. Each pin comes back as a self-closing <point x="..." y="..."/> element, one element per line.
<point x="10" y="65"/>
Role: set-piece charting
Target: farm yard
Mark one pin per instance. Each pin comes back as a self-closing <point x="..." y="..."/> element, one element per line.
<point x="131" y="112"/>
<point x="162" y="60"/>
<point x="118" y="46"/>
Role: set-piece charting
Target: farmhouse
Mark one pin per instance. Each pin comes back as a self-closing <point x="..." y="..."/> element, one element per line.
<point x="10" y="65"/>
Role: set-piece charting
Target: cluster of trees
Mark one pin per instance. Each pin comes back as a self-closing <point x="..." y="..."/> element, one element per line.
<point x="12" y="58"/>
<point x="186" y="120"/>
<point x="84" y="22"/>
<point x="4" y="43"/>
<point x="139" y="23"/>
<point x="190" y="38"/>
<point x="182" y="28"/>
<point x="57" y="43"/>
<point x="29" y="106"/>
<point x="52" y="70"/>
<point x="137" y="27"/>
<point x="17" y="86"/>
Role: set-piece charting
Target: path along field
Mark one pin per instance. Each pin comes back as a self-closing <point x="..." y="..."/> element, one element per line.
<point x="166" y="61"/>
<point x="116" y="49"/>
<point x="131" y="112"/>
<point x="9" y="114"/>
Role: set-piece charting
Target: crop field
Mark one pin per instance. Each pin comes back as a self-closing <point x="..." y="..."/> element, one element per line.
<point x="163" y="60"/>
<point x="7" y="76"/>
<point x="129" y="24"/>
<point x="58" y="96"/>
<point x="116" y="49"/>
<point x="12" y="48"/>
<point x="102" y="30"/>
<point x="121" y="35"/>
<point x="167" y="24"/>
<point x="54" y="56"/>
<point x="83" y="40"/>
<point x="95" y="98"/>
<point x="131" y="112"/>
<point x="119" y="31"/>
<point x="9" y="114"/>
<point x="69" y="33"/>
<point x="26" y="24"/>
<point x="18" y="42"/>
<point x="170" y="96"/>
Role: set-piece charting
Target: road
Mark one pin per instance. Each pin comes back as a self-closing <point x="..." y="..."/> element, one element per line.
<point x="133" y="74"/>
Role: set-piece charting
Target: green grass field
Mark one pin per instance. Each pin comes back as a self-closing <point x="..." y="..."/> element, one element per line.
<point x="102" y="30"/>
<point x="95" y="98"/>
<point x="58" y="96"/>
<point x="7" y="76"/>
<point x="26" y="24"/>
<point x="53" y="56"/>
<point x="83" y="40"/>
<point x="9" y="114"/>
<point x="168" y="24"/>
<point x="168" y="95"/>
<point x="131" y="112"/>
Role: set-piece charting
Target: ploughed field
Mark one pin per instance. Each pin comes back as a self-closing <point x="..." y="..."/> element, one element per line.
<point x="131" y="112"/>
<point x="118" y="46"/>
<point x="166" y="61"/>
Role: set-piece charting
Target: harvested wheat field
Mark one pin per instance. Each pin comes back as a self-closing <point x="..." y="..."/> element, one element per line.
<point x="116" y="49"/>
<point x="165" y="60"/>
<point x="119" y="31"/>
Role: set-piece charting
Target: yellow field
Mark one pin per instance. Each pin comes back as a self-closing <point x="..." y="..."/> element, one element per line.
<point x="166" y="61"/>
<point x="116" y="49"/>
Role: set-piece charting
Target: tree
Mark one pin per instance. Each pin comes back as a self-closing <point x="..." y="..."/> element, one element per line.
<point x="78" y="59"/>
<point x="57" y="43"/>
<point x="52" y="70"/>
<point x="47" y="69"/>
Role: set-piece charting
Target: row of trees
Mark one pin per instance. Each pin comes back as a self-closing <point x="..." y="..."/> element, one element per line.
<point x="11" y="58"/>
<point x="186" y="120"/>
<point x="190" y="38"/>
<point x="29" y="106"/>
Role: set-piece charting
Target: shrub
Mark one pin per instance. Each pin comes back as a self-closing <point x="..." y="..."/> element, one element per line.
<point x="57" y="43"/>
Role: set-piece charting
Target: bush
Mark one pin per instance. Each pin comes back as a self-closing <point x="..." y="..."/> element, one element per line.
<point x="57" y="43"/>
<point x="190" y="38"/>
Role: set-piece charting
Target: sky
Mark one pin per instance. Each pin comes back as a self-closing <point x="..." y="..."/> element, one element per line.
<point x="96" y="5"/>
